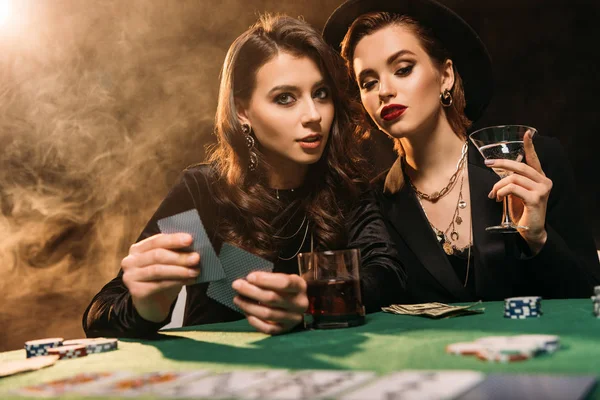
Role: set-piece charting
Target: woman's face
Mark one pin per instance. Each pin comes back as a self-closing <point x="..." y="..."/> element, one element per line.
<point x="399" y="83"/>
<point x="290" y="110"/>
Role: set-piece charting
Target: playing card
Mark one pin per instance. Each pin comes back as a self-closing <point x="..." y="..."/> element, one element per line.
<point x="223" y="385"/>
<point x="189" y="222"/>
<point x="308" y="384"/>
<point x="8" y="368"/>
<point x="80" y="383"/>
<point x="148" y="383"/>
<point x="532" y="386"/>
<point x="237" y="263"/>
<point x="417" y="385"/>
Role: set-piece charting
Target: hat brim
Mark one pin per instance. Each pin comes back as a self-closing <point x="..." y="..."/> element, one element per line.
<point x="469" y="54"/>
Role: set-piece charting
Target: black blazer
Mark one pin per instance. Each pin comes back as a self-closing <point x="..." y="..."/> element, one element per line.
<point x="111" y="311"/>
<point x="567" y="266"/>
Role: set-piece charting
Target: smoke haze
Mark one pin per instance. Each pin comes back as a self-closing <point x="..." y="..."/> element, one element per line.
<point x="102" y="104"/>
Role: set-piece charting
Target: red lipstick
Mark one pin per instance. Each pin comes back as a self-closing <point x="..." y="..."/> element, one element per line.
<point x="392" y="112"/>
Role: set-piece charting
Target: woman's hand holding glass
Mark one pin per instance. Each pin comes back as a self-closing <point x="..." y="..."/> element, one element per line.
<point x="274" y="303"/>
<point x="154" y="272"/>
<point x="528" y="189"/>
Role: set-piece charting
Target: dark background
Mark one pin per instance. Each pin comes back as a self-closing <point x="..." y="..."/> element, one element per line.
<point x="103" y="103"/>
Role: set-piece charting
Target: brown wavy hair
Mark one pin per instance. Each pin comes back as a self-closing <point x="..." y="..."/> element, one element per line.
<point x="332" y="184"/>
<point x="368" y="24"/>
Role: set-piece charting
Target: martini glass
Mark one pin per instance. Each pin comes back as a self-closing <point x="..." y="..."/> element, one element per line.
<point x="502" y="142"/>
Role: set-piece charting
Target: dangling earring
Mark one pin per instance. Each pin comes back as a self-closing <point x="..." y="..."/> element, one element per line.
<point x="446" y="98"/>
<point x="250" y="144"/>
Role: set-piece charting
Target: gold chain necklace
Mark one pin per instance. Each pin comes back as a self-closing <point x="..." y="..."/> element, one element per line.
<point x="442" y="237"/>
<point x="435" y="196"/>
<point x="301" y="244"/>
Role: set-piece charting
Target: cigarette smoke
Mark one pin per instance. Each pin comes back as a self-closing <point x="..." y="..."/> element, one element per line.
<point x="102" y="104"/>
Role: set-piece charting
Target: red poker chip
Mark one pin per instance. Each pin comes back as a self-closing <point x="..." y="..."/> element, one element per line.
<point x="72" y="351"/>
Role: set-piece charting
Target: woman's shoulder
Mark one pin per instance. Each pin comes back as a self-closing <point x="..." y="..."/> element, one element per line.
<point x="205" y="170"/>
<point x="198" y="180"/>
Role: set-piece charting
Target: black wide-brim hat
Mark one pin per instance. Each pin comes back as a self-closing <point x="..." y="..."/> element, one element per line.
<point x="469" y="54"/>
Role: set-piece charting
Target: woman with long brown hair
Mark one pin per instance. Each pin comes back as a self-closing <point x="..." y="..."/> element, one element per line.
<point x="423" y="75"/>
<point x="283" y="178"/>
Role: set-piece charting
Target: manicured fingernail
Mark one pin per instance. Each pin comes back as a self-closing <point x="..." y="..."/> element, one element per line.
<point x="236" y="284"/>
<point x="193" y="257"/>
<point x="251" y="278"/>
<point x="186" y="239"/>
<point x="490" y="162"/>
<point x="193" y="272"/>
<point x="491" y="194"/>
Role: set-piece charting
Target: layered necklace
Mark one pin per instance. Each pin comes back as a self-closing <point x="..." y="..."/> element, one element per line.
<point x="448" y="237"/>
<point x="304" y="227"/>
<point x="304" y="221"/>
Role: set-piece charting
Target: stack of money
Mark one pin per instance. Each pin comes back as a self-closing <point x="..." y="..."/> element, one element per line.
<point x="433" y="310"/>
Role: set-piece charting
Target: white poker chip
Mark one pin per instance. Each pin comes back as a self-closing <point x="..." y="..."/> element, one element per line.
<point x="548" y="343"/>
<point x="516" y="347"/>
<point x="492" y="340"/>
<point x="464" y="348"/>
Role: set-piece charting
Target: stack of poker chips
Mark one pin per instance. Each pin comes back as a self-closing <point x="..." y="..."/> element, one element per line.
<point x="523" y="307"/>
<point x="94" y="346"/>
<point x="69" y="348"/>
<point x="35" y="348"/>
<point x="67" y="352"/>
<point x="507" y="348"/>
<point x="596" y="301"/>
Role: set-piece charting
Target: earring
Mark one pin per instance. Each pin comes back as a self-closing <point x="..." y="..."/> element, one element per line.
<point x="446" y="98"/>
<point x="250" y="144"/>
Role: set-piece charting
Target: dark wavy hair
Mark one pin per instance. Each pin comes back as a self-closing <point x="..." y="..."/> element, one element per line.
<point x="332" y="185"/>
<point x="368" y="24"/>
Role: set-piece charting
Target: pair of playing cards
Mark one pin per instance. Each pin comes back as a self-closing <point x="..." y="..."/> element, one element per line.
<point x="218" y="270"/>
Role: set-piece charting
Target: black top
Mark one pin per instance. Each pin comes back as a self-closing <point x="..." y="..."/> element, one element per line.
<point x="566" y="267"/>
<point x="461" y="266"/>
<point x="111" y="312"/>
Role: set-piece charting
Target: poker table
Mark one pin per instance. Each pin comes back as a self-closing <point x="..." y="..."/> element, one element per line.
<point x="386" y="343"/>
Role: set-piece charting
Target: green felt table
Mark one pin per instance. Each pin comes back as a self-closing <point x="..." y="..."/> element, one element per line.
<point x="386" y="343"/>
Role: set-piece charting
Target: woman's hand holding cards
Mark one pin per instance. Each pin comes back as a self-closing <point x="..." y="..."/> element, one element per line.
<point x="274" y="303"/>
<point x="154" y="272"/>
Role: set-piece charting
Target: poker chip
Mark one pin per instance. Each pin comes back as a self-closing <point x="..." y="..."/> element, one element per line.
<point x="546" y="343"/>
<point x="506" y="349"/>
<point x="493" y="356"/>
<point x="523" y="307"/>
<point x="596" y="302"/>
<point x="39" y="347"/>
<point x="464" y="348"/>
<point x="68" y="352"/>
<point x="94" y="345"/>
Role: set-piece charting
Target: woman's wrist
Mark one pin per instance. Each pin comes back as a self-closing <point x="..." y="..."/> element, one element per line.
<point x="536" y="242"/>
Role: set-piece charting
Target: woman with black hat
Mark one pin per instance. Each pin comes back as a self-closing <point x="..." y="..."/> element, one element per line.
<point x="424" y="75"/>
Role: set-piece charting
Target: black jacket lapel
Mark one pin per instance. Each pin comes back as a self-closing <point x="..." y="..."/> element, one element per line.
<point x="490" y="248"/>
<point x="407" y="217"/>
